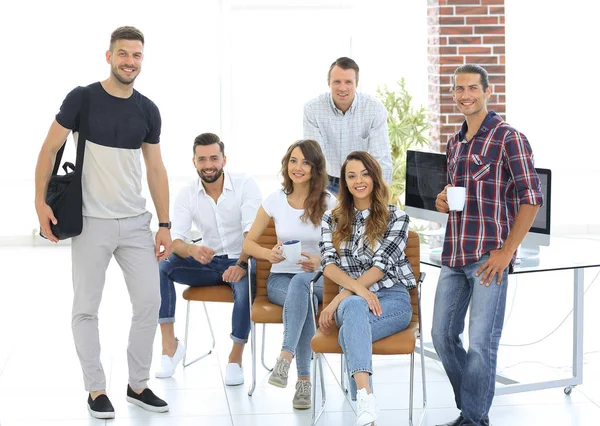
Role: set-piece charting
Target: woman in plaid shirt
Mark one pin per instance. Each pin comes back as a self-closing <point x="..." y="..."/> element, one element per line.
<point x="362" y="249"/>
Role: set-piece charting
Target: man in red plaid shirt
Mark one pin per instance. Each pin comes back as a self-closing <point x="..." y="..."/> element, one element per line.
<point x="494" y="162"/>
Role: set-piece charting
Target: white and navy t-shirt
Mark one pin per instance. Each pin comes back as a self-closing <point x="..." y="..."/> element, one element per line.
<point x="112" y="171"/>
<point x="289" y="226"/>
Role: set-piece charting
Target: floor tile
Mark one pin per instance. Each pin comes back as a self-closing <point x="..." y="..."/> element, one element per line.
<point x="38" y="361"/>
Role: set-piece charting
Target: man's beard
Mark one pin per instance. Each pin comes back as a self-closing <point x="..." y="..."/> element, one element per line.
<point x="213" y="178"/>
<point x="115" y="73"/>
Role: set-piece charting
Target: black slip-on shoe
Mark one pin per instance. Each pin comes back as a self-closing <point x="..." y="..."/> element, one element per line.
<point x="455" y="422"/>
<point x="101" y="408"/>
<point x="147" y="400"/>
<point x="460" y="419"/>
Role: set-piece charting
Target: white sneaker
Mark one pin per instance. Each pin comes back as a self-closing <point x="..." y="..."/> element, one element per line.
<point x="168" y="363"/>
<point x="366" y="408"/>
<point x="234" y="374"/>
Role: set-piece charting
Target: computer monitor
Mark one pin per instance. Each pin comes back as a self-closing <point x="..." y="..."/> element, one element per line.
<point x="539" y="233"/>
<point x="541" y="223"/>
<point x="426" y="177"/>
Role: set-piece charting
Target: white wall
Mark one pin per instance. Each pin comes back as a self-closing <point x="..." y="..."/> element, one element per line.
<point x="50" y="47"/>
<point x="239" y="68"/>
<point x="551" y="57"/>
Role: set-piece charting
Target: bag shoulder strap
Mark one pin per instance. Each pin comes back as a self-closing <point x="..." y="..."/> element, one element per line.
<point x="83" y="130"/>
<point x="83" y="116"/>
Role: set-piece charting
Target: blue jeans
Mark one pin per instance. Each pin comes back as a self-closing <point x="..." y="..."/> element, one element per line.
<point x="292" y="291"/>
<point x="473" y="373"/>
<point x="190" y="272"/>
<point x="359" y="327"/>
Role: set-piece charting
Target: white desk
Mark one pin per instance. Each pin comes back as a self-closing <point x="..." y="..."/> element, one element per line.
<point x="563" y="253"/>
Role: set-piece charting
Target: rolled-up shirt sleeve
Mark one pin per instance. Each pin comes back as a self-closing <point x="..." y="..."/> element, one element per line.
<point x="519" y="157"/>
<point x="328" y="253"/>
<point x="393" y="242"/>
<point x="252" y="198"/>
<point x="181" y="222"/>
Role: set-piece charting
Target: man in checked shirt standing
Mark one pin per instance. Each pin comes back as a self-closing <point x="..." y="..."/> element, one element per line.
<point x="343" y="121"/>
<point x="494" y="162"/>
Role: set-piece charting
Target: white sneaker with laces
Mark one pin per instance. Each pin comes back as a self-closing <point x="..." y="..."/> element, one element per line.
<point x="366" y="408"/>
<point x="234" y="374"/>
<point x="168" y="363"/>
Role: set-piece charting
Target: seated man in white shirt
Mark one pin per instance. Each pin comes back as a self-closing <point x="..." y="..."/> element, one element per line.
<point x="222" y="206"/>
<point x="343" y="120"/>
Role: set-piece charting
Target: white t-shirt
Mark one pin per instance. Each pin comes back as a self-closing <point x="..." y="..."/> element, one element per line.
<point x="289" y="226"/>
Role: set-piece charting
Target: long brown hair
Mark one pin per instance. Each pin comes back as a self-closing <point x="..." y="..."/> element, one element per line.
<point x="316" y="202"/>
<point x="343" y="213"/>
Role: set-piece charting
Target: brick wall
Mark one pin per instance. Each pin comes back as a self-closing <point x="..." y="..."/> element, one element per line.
<point x="460" y="32"/>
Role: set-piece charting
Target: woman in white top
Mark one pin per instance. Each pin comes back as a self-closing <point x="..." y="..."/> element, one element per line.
<point x="297" y="210"/>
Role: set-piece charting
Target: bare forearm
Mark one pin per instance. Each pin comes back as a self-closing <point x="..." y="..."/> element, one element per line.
<point x="523" y="222"/>
<point x="181" y="248"/>
<point x="159" y="190"/>
<point x="43" y="170"/>
<point x="337" y="275"/>
<point x="370" y="277"/>
<point x="252" y="248"/>
<point x="341" y="296"/>
<point x="244" y="256"/>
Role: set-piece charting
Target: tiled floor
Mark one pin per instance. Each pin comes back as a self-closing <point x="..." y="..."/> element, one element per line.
<point x="41" y="384"/>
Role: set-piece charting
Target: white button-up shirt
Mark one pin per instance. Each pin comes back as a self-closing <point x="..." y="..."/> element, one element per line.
<point x="362" y="128"/>
<point x="222" y="224"/>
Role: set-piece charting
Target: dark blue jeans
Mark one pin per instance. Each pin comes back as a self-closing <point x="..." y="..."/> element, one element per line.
<point x="473" y="373"/>
<point x="190" y="272"/>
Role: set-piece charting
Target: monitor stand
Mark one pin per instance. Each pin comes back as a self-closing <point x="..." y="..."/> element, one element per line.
<point x="530" y="247"/>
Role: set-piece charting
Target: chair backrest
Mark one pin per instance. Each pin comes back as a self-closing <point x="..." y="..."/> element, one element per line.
<point x="413" y="254"/>
<point x="263" y="267"/>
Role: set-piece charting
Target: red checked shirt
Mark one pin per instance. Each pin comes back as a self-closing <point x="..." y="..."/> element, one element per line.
<point x="496" y="168"/>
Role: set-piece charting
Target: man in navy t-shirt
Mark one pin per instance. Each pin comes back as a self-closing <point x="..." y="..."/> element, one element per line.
<point x="123" y="125"/>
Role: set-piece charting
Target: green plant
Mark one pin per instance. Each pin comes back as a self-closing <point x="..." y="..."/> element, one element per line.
<point x="407" y="128"/>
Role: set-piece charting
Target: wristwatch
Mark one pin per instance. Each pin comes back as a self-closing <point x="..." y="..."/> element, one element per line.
<point x="165" y="225"/>
<point x="242" y="264"/>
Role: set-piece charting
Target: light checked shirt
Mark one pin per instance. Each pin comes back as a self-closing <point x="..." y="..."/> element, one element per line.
<point x="362" y="128"/>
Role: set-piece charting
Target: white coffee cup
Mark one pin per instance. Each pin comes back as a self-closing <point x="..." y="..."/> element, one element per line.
<point x="456" y="198"/>
<point x="291" y="250"/>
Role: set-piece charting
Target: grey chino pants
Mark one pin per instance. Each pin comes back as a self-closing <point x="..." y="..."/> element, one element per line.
<point x="130" y="241"/>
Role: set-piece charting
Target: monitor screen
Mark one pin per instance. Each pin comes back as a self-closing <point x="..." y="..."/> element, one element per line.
<point x="426" y="177"/>
<point x="541" y="223"/>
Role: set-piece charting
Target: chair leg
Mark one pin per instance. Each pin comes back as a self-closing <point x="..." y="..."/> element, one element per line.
<point x="423" y="372"/>
<point x="344" y="374"/>
<point x="262" y="352"/>
<point x="316" y="414"/>
<point x="187" y="324"/>
<point x="412" y="389"/>
<point x="212" y="335"/>
<point x="253" y="350"/>
<point x="323" y="390"/>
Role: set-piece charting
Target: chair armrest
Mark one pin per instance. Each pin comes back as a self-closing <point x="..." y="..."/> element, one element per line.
<point x="419" y="282"/>
<point x="250" y="299"/>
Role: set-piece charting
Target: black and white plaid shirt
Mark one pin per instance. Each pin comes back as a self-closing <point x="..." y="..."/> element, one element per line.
<point x="358" y="257"/>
